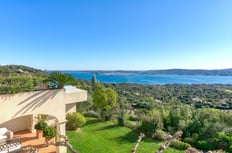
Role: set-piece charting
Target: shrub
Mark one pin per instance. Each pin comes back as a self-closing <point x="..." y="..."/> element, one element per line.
<point x="151" y="122"/>
<point x="179" y="145"/>
<point x="133" y="118"/>
<point x="49" y="132"/>
<point x="41" y="125"/>
<point x="129" y="124"/>
<point x="159" y="135"/>
<point x="204" y="145"/>
<point x="189" y="140"/>
<point x="15" y="84"/>
<point x="121" y="118"/>
<point x="74" y="120"/>
<point x="91" y="114"/>
<point x="222" y="141"/>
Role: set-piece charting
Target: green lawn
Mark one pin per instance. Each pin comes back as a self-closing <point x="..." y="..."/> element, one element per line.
<point x="106" y="137"/>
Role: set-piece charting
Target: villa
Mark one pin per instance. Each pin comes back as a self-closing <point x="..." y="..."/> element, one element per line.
<point x="19" y="112"/>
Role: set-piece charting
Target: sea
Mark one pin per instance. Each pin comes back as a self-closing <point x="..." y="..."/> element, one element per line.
<point x="151" y="79"/>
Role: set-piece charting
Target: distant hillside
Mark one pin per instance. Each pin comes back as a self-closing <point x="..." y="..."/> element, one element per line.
<point x="8" y="70"/>
<point x="222" y="72"/>
<point x="218" y="72"/>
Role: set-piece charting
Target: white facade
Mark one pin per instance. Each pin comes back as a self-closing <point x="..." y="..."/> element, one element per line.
<point x="18" y="111"/>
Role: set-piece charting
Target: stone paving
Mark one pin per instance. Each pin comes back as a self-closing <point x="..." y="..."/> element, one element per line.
<point x="29" y="140"/>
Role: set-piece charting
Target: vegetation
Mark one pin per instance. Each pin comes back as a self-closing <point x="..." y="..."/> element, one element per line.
<point x="199" y="96"/>
<point x="179" y="145"/>
<point x="198" y="111"/>
<point x="15" y="70"/>
<point x="41" y="125"/>
<point x="59" y="79"/>
<point x="49" y="132"/>
<point x="17" y="78"/>
<point x="196" y="115"/>
<point x="15" y="84"/>
<point x="74" y="120"/>
<point x="105" y="99"/>
<point x="102" y="137"/>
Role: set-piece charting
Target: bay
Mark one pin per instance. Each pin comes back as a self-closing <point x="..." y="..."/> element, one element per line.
<point x="151" y="79"/>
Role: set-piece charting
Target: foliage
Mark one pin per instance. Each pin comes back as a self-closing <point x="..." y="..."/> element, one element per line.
<point x="179" y="145"/>
<point x="15" y="84"/>
<point x="223" y="141"/>
<point x="92" y="114"/>
<point x="18" y="70"/>
<point x="105" y="99"/>
<point x="200" y="96"/>
<point x="129" y="124"/>
<point x="159" y="135"/>
<point x="133" y="118"/>
<point x="49" y="132"/>
<point x="59" y="79"/>
<point x="151" y="122"/>
<point x="107" y="137"/>
<point x="94" y="80"/>
<point x="181" y="107"/>
<point x="121" y="118"/>
<point x="74" y="120"/>
<point x="41" y="125"/>
<point x="204" y="145"/>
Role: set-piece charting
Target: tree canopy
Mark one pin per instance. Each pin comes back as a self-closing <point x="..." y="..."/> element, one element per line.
<point x="105" y="99"/>
<point x="59" y="79"/>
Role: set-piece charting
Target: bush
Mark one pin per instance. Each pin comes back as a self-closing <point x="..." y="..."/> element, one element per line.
<point x="159" y="135"/>
<point x="179" y="145"/>
<point x="222" y="141"/>
<point x="41" y="125"/>
<point x="74" y="120"/>
<point x="151" y="122"/>
<point x="129" y="124"/>
<point x="204" y="145"/>
<point x="49" y="132"/>
<point x="121" y="118"/>
<point x="91" y="114"/>
<point x="133" y="118"/>
<point x="15" y="84"/>
<point x="189" y="140"/>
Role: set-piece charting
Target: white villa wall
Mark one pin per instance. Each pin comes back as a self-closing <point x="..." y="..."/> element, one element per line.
<point x="18" y="124"/>
<point x="49" y="102"/>
<point x="70" y="108"/>
<point x="18" y="111"/>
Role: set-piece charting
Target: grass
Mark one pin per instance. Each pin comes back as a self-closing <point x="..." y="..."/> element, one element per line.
<point x="106" y="137"/>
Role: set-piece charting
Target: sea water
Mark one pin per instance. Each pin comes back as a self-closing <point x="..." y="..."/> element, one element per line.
<point x="151" y="79"/>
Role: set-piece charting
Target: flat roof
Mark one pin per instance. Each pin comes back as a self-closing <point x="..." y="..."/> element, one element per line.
<point x="71" y="89"/>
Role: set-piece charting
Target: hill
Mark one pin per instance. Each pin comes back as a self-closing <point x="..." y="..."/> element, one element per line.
<point x="9" y="70"/>
<point x="216" y="72"/>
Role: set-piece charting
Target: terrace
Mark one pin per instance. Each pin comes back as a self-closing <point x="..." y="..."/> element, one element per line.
<point x="19" y="112"/>
<point x="30" y="141"/>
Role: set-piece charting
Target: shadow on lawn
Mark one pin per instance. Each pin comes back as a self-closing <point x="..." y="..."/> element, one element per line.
<point x="129" y="137"/>
<point x="132" y="137"/>
<point x="92" y="121"/>
<point x="109" y="127"/>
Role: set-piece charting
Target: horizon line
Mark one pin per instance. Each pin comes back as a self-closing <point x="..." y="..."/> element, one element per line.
<point x="137" y="70"/>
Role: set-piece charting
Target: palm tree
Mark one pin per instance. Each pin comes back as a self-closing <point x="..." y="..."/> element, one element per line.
<point x="59" y="79"/>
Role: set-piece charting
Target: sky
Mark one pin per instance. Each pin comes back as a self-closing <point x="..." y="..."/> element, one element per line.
<point x="116" y="34"/>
